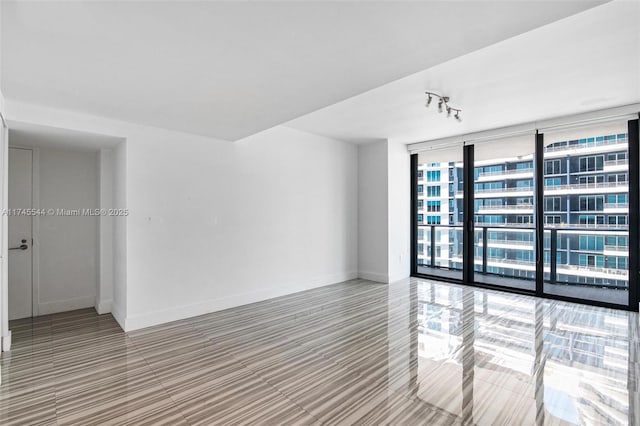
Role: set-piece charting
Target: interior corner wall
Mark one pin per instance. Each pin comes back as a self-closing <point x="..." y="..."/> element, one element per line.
<point x="119" y="234"/>
<point x="373" y="212"/>
<point x="214" y="224"/>
<point x="104" y="293"/>
<point x="383" y="211"/>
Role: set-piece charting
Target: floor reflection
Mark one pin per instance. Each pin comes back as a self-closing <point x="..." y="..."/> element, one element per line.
<point x="416" y="352"/>
<point x="495" y="358"/>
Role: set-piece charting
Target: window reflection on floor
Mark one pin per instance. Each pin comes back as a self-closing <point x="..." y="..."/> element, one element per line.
<point x="547" y="361"/>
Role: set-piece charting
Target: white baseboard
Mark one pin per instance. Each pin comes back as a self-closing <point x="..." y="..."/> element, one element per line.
<point x="103" y="306"/>
<point x="137" y="321"/>
<point x="374" y="276"/>
<point x="6" y="342"/>
<point x="65" y="305"/>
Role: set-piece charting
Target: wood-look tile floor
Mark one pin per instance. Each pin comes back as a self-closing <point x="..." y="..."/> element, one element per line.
<point x="416" y="352"/>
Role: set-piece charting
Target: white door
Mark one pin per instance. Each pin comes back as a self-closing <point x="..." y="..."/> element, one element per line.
<point x="20" y="238"/>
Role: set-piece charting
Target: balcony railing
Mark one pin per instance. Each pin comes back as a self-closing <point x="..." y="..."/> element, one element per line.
<point x="582" y="186"/>
<point x="619" y="162"/>
<point x="608" y="271"/>
<point x="551" y="188"/>
<point x="522" y="189"/>
<point x="509" y="242"/>
<point x="506" y="172"/>
<point x="507" y="207"/>
<point x="621" y="249"/>
<point x="616" y="205"/>
<point x="573" y="226"/>
<point x="502" y="226"/>
<point x="586" y="145"/>
<point x="451" y="250"/>
<point x="506" y="261"/>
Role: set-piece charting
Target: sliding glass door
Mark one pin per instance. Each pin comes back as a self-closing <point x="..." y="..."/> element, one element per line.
<point x="554" y="213"/>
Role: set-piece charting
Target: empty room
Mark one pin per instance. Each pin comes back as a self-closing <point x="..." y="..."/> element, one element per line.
<point x="320" y="212"/>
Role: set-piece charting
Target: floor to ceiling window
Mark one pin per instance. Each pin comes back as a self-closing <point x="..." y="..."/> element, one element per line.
<point x="504" y="230"/>
<point x="550" y="212"/>
<point x="586" y="213"/>
<point x="439" y="212"/>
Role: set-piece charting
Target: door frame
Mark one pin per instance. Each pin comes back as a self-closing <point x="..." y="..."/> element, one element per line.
<point x="35" y="224"/>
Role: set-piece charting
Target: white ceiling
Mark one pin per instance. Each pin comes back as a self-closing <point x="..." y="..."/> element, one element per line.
<point x="585" y="62"/>
<point x="231" y="69"/>
<point x="31" y="135"/>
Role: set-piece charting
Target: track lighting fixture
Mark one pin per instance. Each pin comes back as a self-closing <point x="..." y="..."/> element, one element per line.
<point x="443" y="103"/>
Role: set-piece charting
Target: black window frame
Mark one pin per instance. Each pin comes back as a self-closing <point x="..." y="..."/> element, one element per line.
<point x="633" y="221"/>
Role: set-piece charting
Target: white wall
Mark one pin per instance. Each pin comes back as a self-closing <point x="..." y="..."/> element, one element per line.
<point x="215" y="224"/>
<point x="383" y="211"/>
<point x="67" y="245"/>
<point x="2" y="106"/>
<point x="104" y="291"/>
<point x="5" y="333"/>
<point x="373" y="212"/>
<point x="119" y="234"/>
<point x="399" y="175"/>
<point x="5" y="336"/>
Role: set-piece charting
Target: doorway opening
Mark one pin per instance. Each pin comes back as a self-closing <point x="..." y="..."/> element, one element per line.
<point x="63" y="193"/>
